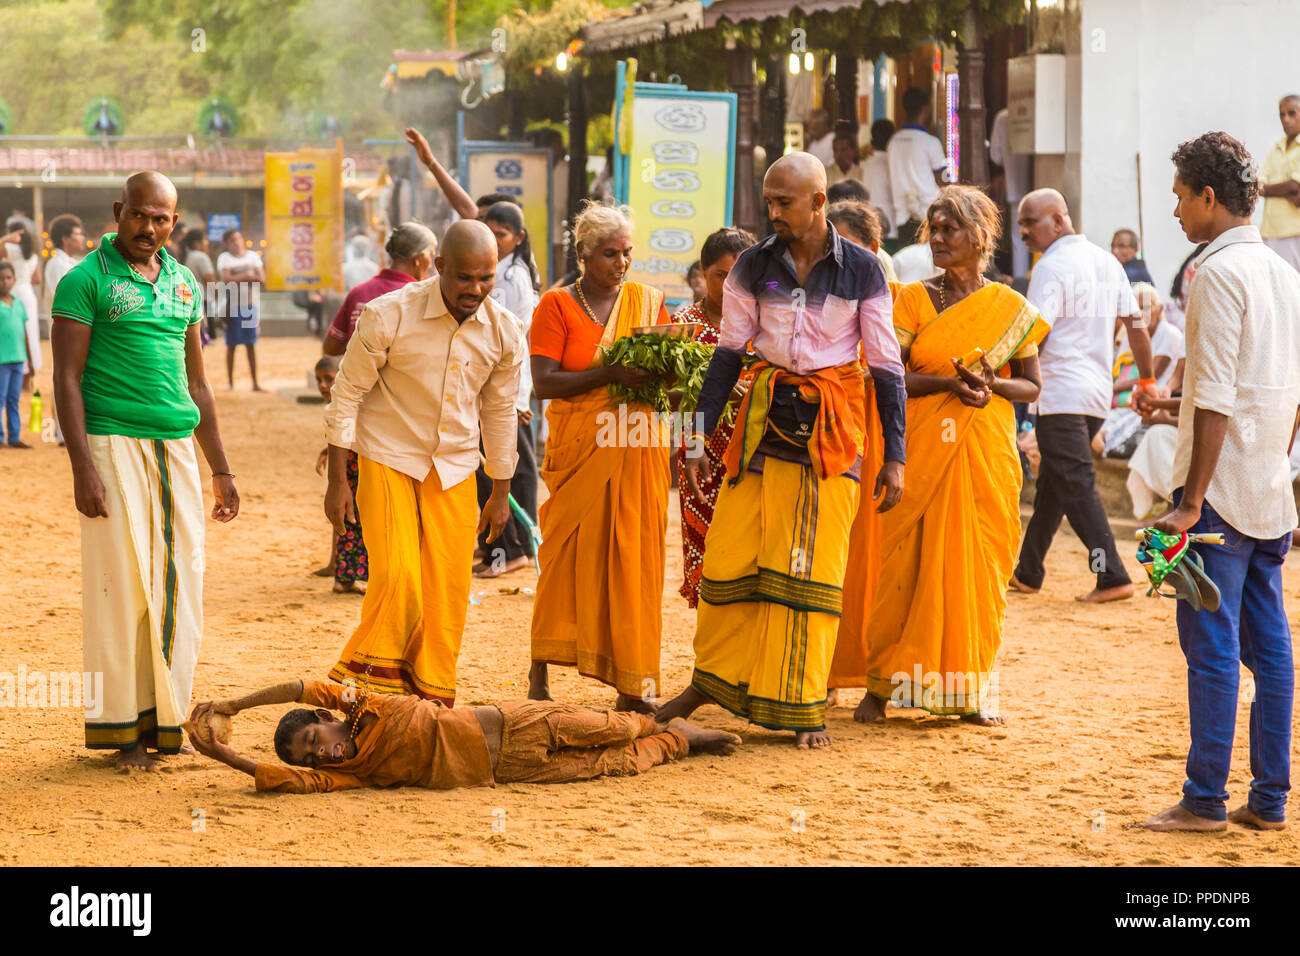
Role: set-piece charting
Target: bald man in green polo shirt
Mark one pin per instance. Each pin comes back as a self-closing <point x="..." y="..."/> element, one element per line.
<point x="130" y="390"/>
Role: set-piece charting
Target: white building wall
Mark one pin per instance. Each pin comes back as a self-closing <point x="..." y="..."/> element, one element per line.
<point x="1156" y="73"/>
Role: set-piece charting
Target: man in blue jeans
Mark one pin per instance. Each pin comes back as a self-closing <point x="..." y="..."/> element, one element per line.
<point x="1239" y="412"/>
<point x="14" y="352"/>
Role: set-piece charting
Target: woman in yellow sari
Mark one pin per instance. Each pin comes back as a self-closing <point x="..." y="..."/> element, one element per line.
<point x="598" y="604"/>
<point x="970" y="350"/>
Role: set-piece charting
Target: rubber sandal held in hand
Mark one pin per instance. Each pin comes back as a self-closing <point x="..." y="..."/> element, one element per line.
<point x="1168" y="559"/>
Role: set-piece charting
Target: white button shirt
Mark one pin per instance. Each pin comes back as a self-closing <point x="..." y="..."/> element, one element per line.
<point x="1243" y="361"/>
<point x="414" y="386"/>
<point x="1080" y="289"/>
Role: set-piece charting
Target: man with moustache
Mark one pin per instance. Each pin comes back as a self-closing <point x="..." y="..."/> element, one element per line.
<point x="776" y="552"/>
<point x="131" y="390"/>
<point x="429" y="368"/>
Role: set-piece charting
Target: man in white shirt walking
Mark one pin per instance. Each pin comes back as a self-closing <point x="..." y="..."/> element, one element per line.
<point x="1081" y="290"/>
<point x="241" y="273"/>
<point x="1237" y="422"/>
<point x="916" y="167"/>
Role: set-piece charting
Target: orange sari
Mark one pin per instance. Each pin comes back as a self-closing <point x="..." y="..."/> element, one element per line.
<point x="849" y="665"/>
<point x="949" y="546"/>
<point x="599" y="596"/>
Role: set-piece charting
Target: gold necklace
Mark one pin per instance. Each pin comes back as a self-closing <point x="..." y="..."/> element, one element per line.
<point x="132" y="265"/>
<point x="582" y="300"/>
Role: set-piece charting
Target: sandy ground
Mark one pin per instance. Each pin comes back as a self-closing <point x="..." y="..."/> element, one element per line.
<point x="1095" y="698"/>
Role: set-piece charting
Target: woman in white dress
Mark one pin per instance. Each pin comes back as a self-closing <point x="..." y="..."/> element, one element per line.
<point x="20" y="249"/>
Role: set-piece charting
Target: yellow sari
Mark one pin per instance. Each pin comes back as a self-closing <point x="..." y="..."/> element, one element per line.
<point x="949" y="546"/>
<point x="600" y="592"/>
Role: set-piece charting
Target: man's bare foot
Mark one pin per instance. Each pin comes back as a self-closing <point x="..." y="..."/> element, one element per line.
<point x="811" y="739"/>
<point x="704" y="740"/>
<point x="539" y="682"/>
<point x="325" y="572"/>
<point x="1178" y="817"/>
<point x="833" y="697"/>
<point x="1248" y="818"/>
<point x="870" y="710"/>
<point x="258" y="388"/>
<point x="683" y="705"/>
<point x="984" y="719"/>
<point x="187" y="750"/>
<point x="638" y="705"/>
<point x="490" y="571"/>
<point x="1015" y="584"/>
<point x="1101" y="595"/>
<point x="135" y="758"/>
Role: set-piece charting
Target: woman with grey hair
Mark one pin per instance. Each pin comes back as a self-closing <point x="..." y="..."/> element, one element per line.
<point x="410" y="250"/>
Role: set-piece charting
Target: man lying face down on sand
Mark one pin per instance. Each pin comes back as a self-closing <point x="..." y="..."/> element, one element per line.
<point x="388" y="740"/>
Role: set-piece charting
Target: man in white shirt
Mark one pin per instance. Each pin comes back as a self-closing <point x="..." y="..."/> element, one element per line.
<point x="360" y="264"/>
<point x="1017" y="171"/>
<point x="1081" y="290"/>
<point x="820" y="137"/>
<point x="875" y="173"/>
<point x="431" y="367"/>
<point x="68" y="236"/>
<point x="1236" y="425"/>
<point x="916" y="166"/>
<point x="240" y="271"/>
<point x="844" y="149"/>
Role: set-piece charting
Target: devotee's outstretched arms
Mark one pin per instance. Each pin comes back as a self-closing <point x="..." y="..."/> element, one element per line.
<point x="456" y="195"/>
<point x="288" y="692"/>
<point x="226" y="498"/>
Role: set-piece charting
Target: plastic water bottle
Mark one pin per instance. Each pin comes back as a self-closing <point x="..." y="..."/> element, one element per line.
<point x="36" y="423"/>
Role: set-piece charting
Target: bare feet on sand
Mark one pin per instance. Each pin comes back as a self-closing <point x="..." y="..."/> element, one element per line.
<point x="870" y="710"/>
<point x="811" y="739"/>
<point x="539" y="682"/>
<point x="325" y="572"/>
<point x="349" y="587"/>
<point x="683" y="705"/>
<point x="135" y="758"/>
<point x="1179" y="817"/>
<point x="984" y="719"/>
<point x="703" y="740"/>
<point x="1101" y="595"/>
<point x="638" y="705"/>
<point x="833" y="697"/>
<point x="1247" y="818"/>
<point x="482" y="570"/>
<point x="1015" y="584"/>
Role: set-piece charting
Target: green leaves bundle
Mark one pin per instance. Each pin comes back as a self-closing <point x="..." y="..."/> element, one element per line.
<point x="670" y="358"/>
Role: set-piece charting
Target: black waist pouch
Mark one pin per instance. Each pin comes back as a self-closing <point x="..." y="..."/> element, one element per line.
<point x="791" y="417"/>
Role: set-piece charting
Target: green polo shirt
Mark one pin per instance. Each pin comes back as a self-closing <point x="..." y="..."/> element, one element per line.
<point x="13" y="332"/>
<point x="134" y="383"/>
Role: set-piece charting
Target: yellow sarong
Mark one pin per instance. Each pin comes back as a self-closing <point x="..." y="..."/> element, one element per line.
<point x="770" y="594"/>
<point x="949" y="546"/>
<point x="603" y="551"/>
<point x="420" y="539"/>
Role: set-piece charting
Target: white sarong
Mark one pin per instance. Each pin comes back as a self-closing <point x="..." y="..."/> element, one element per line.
<point x="142" y="590"/>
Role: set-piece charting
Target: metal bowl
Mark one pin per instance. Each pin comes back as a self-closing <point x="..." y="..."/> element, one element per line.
<point x="673" y="330"/>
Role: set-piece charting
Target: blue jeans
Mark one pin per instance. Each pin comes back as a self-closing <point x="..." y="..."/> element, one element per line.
<point x="11" y="389"/>
<point x="1251" y="627"/>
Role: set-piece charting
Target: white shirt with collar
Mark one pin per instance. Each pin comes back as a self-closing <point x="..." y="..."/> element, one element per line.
<point x="1243" y="361"/>
<point x="415" y="387"/>
<point x="1080" y="289"/>
<point x="60" y="264"/>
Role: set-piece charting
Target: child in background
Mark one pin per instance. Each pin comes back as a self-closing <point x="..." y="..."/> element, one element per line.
<point x="15" y="354"/>
<point x="348" y="562"/>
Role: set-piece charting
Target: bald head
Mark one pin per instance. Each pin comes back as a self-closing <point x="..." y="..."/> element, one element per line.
<point x="467" y="266"/>
<point x="795" y="192"/>
<point x="1044" y="217"/>
<point x="145" y="215"/>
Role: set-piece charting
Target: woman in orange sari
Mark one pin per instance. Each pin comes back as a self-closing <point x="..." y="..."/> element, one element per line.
<point x="970" y="350"/>
<point x="598" y="604"/>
